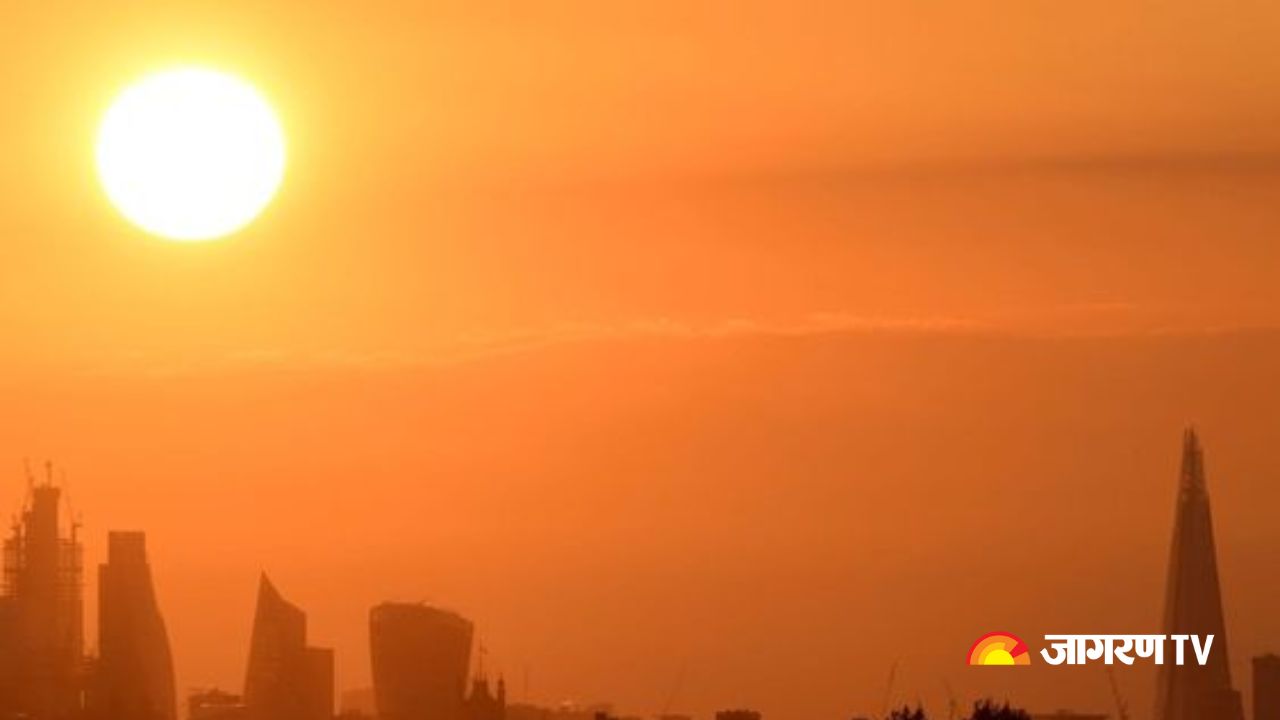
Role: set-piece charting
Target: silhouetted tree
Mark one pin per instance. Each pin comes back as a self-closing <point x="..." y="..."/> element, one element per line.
<point x="989" y="710"/>
<point x="906" y="713"/>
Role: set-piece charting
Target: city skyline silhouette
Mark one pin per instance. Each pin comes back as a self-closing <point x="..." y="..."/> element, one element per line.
<point x="427" y="664"/>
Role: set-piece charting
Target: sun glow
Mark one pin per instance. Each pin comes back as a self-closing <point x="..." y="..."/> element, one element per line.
<point x="190" y="154"/>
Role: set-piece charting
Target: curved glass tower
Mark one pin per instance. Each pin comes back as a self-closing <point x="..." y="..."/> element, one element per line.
<point x="135" y="666"/>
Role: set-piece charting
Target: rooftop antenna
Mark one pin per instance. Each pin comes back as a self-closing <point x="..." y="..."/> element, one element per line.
<point x="31" y="485"/>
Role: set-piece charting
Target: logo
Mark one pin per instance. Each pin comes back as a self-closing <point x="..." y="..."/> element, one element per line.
<point x="999" y="648"/>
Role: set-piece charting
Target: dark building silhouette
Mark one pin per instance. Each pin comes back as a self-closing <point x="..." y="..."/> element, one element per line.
<point x="1069" y="715"/>
<point x="737" y="715"/>
<point x="215" y="704"/>
<point x="1266" y="687"/>
<point x="134" y="672"/>
<point x="421" y="658"/>
<point x="286" y="679"/>
<point x="1193" y="606"/>
<point x="526" y="711"/>
<point x="42" y="665"/>
<point x="484" y="704"/>
<point x="564" y="711"/>
<point x="357" y="701"/>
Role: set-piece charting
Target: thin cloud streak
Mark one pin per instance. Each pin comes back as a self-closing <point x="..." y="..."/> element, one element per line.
<point x="1098" y="320"/>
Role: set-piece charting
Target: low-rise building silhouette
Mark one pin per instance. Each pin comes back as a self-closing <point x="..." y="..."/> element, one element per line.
<point x="484" y="704"/>
<point x="1266" y="687"/>
<point x="357" y="701"/>
<point x="1069" y="715"/>
<point x="215" y="704"/>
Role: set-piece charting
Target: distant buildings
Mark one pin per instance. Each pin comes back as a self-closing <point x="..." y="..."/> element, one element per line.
<point x="421" y="656"/>
<point x="1193" y="605"/>
<point x="421" y="659"/>
<point x="215" y="704"/>
<point x="565" y="711"/>
<point x="526" y="711"/>
<point x="358" y="702"/>
<point x="134" y="672"/>
<point x="44" y="673"/>
<point x="286" y="679"/>
<point x="1069" y="715"/>
<point x="737" y="715"/>
<point x="1266" y="687"/>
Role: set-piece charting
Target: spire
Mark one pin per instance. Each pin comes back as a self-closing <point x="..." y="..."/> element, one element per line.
<point x="1192" y="461"/>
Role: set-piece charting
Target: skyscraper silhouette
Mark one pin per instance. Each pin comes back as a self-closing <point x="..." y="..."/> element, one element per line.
<point x="134" y="675"/>
<point x="421" y="658"/>
<point x="286" y="679"/>
<point x="1193" y="606"/>
<point x="41" y="614"/>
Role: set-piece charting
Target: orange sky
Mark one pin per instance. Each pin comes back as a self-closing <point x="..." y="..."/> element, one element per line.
<point x="661" y="298"/>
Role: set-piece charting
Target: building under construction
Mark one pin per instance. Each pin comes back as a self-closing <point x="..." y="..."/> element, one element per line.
<point x="42" y="665"/>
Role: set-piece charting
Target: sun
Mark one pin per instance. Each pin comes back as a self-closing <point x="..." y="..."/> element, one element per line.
<point x="190" y="154"/>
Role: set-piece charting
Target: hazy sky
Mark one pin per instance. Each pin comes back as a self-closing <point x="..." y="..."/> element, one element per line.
<point x="519" y="256"/>
<point x="458" y="173"/>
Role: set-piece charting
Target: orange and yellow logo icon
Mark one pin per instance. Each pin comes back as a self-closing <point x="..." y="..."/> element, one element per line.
<point x="999" y="648"/>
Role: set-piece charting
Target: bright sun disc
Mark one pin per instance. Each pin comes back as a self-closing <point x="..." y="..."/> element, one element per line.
<point x="190" y="154"/>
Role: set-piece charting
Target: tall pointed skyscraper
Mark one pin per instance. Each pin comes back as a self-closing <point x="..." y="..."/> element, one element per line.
<point x="1193" y="606"/>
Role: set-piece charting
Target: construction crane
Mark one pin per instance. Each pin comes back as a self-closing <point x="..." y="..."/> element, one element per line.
<point x="1122" y="708"/>
<point x="888" y="689"/>
<point x="675" y="689"/>
<point x="953" y="707"/>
